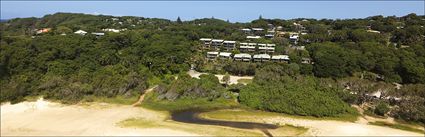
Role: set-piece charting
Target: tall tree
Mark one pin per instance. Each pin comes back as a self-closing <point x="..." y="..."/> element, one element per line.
<point x="179" y="20"/>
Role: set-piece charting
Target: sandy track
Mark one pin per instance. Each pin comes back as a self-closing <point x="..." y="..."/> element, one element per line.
<point x="44" y="118"/>
<point x="233" y="79"/>
<point x="142" y="97"/>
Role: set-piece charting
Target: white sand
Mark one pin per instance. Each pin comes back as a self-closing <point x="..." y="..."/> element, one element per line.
<point x="44" y="118"/>
<point x="338" y="128"/>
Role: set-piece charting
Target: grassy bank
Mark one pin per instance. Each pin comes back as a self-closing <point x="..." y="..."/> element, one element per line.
<point x="206" y="130"/>
<point x="151" y="102"/>
<point x="397" y="126"/>
<point x="112" y="100"/>
<point x="249" y="114"/>
<point x="139" y="123"/>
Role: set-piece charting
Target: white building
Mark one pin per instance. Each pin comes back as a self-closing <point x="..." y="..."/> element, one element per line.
<point x="294" y="38"/>
<point x="212" y="55"/>
<point x="306" y="61"/>
<point x="225" y="55"/>
<point x="206" y="41"/>
<point x="229" y="45"/>
<point x="266" y="48"/>
<point x="257" y="30"/>
<point x="280" y="58"/>
<point x="253" y="37"/>
<point x="242" y="57"/>
<point x="111" y="30"/>
<point x="98" y="34"/>
<point x="269" y="36"/>
<point x="247" y="47"/>
<point x="246" y="30"/>
<point x="81" y="32"/>
<point x="261" y="45"/>
<point x="261" y="57"/>
<point x="216" y="44"/>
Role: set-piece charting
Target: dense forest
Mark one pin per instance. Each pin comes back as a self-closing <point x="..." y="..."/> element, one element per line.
<point x="350" y="63"/>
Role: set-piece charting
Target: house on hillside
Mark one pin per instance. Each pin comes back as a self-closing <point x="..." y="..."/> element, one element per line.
<point x="247" y="47"/>
<point x="261" y="45"/>
<point x="98" y="34"/>
<point x="115" y="19"/>
<point x="261" y="57"/>
<point x="306" y="61"/>
<point x="280" y="58"/>
<point x="81" y="32"/>
<point x="43" y="30"/>
<point x="266" y="48"/>
<point x="229" y="45"/>
<point x="270" y="26"/>
<point x="294" y="38"/>
<point x="206" y="42"/>
<point x="257" y="31"/>
<point x="212" y="55"/>
<point x="269" y="36"/>
<point x="270" y="48"/>
<point x="298" y="26"/>
<point x="279" y="28"/>
<point x="253" y="37"/>
<point x="246" y="30"/>
<point x="216" y="44"/>
<point x="225" y="55"/>
<point x="111" y="30"/>
<point x="242" y="57"/>
<point x="373" y="31"/>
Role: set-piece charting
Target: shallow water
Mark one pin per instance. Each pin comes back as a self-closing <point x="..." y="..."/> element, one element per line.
<point x="191" y="116"/>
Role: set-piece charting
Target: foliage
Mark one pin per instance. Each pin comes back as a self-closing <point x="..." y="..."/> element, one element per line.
<point x="279" y="91"/>
<point x="382" y="108"/>
<point x="148" y="51"/>
<point x="412" y="107"/>
<point x="397" y="126"/>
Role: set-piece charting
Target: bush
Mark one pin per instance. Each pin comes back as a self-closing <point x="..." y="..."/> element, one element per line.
<point x="276" y="90"/>
<point x="207" y="86"/>
<point x="381" y="109"/>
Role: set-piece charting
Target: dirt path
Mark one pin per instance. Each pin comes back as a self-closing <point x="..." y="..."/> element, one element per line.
<point x="43" y="118"/>
<point x="233" y="79"/>
<point x="142" y="97"/>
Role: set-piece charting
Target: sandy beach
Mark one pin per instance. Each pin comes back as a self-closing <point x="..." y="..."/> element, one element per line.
<point x="43" y="118"/>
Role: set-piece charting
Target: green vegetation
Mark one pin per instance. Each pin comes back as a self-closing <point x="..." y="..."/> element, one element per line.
<point x="275" y="90"/>
<point x="138" y="123"/>
<point x="349" y="63"/>
<point x="397" y="126"/>
<point x="113" y="100"/>
<point x="382" y="109"/>
<point x="187" y="104"/>
<point x="246" y="114"/>
<point x="412" y="108"/>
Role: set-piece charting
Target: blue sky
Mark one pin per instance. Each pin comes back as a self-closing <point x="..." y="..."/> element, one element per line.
<point x="235" y="11"/>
